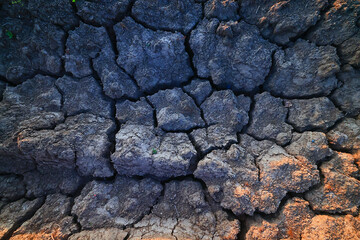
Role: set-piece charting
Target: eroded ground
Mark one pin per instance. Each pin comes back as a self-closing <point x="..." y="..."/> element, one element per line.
<point x="192" y="119"/>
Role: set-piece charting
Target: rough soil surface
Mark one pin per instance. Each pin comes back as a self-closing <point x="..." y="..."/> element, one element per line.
<point x="178" y="120"/>
<point x="282" y="21"/>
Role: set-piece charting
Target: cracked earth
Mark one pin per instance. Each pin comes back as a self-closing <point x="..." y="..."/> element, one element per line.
<point x="192" y="119"/>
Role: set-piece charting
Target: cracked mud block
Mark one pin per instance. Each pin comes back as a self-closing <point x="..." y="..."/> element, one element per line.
<point x="12" y="159"/>
<point x="161" y="55"/>
<point x="103" y="233"/>
<point x="47" y="181"/>
<point x="103" y="12"/>
<point x="289" y="224"/>
<point x="345" y="163"/>
<point x="199" y="90"/>
<point x="89" y="46"/>
<point x="117" y="204"/>
<point x="34" y="104"/>
<point x="226" y="115"/>
<point x="311" y="145"/>
<point x="269" y="119"/>
<point x="169" y="15"/>
<point x="141" y="151"/>
<point x="212" y="137"/>
<point x="83" y="96"/>
<point x="116" y="83"/>
<point x="254" y="175"/>
<point x="312" y="114"/>
<point x="349" y="51"/>
<point x="265" y="231"/>
<point x="233" y="54"/>
<point x="49" y="11"/>
<point x="323" y="227"/>
<point x="175" y="110"/>
<point x="84" y="44"/>
<point x="137" y="113"/>
<point x="282" y="21"/>
<point x="12" y="187"/>
<point x="80" y="141"/>
<point x="13" y="214"/>
<point x="346" y="135"/>
<point x="51" y="221"/>
<point x="182" y="213"/>
<point x="34" y="46"/>
<point x="338" y="24"/>
<point x="340" y="188"/>
<point x="347" y="96"/>
<point x="222" y="10"/>
<point x="304" y="70"/>
<point x="224" y="108"/>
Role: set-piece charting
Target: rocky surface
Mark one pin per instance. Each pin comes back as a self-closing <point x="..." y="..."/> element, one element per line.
<point x="167" y="119"/>
<point x="33" y="46"/>
<point x="338" y="24"/>
<point x="48" y="181"/>
<point x="34" y="104"/>
<point x="293" y="218"/>
<point x="349" y="51"/>
<point x="332" y="227"/>
<point x="222" y="10"/>
<point x="139" y="112"/>
<point x="313" y="114"/>
<point x="81" y="142"/>
<point x="179" y="16"/>
<point x="90" y="100"/>
<point x="225" y="109"/>
<point x="11" y="187"/>
<point x="233" y="54"/>
<point x="102" y="12"/>
<point x="175" y="110"/>
<point x="141" y="151"/>
<point x="282" y="21"/>
<point x="297" y="75"/>
<point x="48" y="11"/>
<point x="340" y="188"/>
<point x="84" y="44"/>
<point x="199" y="90"/>
<point x="115" y="81"/>
<point x="297" y="221"/>
<point x="161" y="55"/>
<point x="269" y="119"/>
<point x="311" y="145"/>
<point x="346" y="96"/>
<point x="51" y="221"/>
<point x="12" y="215"/>
<point x="346" y="135"/>
<point x="225" y="116"/>
<point x="102" y="233"/>
<point x="183" y="213"/>
<point x="254" y="175"/>
<point x="42" y="10"/>
<point x="117" y="204"/>
<point x="216" y="136"/>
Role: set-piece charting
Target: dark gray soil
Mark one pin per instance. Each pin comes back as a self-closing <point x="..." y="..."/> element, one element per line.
<point x="169" y="119"/>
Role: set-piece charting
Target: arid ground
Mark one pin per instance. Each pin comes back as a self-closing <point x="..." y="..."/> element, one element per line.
<point x="179" y="119"/>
